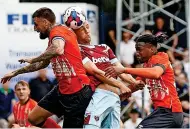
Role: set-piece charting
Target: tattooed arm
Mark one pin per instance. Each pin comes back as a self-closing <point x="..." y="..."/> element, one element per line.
<point x="29" y="68"/>
<point x="56" y="48"/>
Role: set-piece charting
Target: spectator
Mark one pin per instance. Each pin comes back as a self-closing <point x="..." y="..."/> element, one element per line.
<point x="183" y="91"/>
<point x="182" y="85"/>
<point x="132" y="27"/>
<point x="134" y="120"/>
<point x="178" y="67"/>
<point x="40" y="86"/>
<point x="24" y="106"/>
<point x="111" y="37"/>
<point x="186" y="63"/>
<point x="186" y="121"/>
<point x="127" y="50"/>
<point x="161" y="27"/>
<point x="7" y="100"/>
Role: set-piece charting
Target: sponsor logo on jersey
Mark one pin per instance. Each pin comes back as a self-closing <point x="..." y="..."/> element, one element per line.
<point x="99" y="60"/>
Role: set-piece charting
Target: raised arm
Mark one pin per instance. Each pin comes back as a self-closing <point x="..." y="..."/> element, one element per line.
<point x="55" y="49"/>
<point x="29" y="68"/>
<point x="125" y="77"/>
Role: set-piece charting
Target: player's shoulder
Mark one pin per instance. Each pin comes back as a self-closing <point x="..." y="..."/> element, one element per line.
<point x="102" y="45"/>
<point x="159" y="56"/>
<point x="60" y="28"/>
<point x="162" y="55"/>
<point x="61" y="31"/>
<point x="33" y="102"/>
<point x="16" y="104"/>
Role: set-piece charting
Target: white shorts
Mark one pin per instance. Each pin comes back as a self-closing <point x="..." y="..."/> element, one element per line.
<point x="103" y="110"/>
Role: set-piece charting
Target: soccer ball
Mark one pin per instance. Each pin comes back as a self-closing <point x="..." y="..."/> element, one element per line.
<point x="74" y="17"/>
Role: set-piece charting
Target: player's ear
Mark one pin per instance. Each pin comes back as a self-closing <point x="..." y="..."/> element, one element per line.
<point x="46" y="22"/>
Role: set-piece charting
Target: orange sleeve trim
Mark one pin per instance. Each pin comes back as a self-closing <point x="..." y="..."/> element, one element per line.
<point x="162" y="66"/>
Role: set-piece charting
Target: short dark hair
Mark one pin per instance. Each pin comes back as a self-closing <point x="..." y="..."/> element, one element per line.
<point x="134" y="111"/>
<point x="46" y="13"/>
<point x="23" y="83"/>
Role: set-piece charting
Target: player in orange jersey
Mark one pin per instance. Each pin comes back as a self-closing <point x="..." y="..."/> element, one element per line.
<point x="24" y="106"/>
<point x="159" y="76"/>
<point x="73" y="93"/>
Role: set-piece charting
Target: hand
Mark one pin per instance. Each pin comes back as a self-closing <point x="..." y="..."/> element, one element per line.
<point x="25" y="60"/>
<point x="125" y="90"/>
<point x="15" y="126"/>
<point x="125" y="96"/>
<point x="7" y="77"/>
<point x="139" y="84"/>
<point x="114" y="71"/>
<point x="125" y="93"/>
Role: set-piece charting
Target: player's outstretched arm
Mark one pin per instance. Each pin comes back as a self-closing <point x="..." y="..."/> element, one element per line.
<point x="151" y="73"/>
<point x="125" y="77"/>
<point x="29" y="68"/>
<point x="55" y="49"/>
<point x="91" y="68"/>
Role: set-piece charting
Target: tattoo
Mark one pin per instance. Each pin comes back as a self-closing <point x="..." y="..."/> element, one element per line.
<point x="32" y="67"/>
<point x="54" y="50"/>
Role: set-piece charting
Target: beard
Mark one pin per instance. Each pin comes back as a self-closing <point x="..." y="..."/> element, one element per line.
<point x="43" y="35"/>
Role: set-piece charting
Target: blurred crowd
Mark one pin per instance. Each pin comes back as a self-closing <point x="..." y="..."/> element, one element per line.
<point x="41" y="85"/>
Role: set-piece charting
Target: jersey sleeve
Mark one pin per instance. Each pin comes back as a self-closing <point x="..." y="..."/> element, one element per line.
<point x="33" y="103"/>
<point x="84" y="56"/>
<point x="161" y="60"/>
<point x="58" y="33"/>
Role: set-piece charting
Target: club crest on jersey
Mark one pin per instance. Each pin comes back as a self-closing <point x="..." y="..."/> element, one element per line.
<point x="99" y="60"/>
<point x="96" y="118"/>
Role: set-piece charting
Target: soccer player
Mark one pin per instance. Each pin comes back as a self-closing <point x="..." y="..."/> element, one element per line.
<point x="24" y="106"/>
<point x="159" y="76"/>
<point x="104" y="108"/>
<point x="72" y="95"/>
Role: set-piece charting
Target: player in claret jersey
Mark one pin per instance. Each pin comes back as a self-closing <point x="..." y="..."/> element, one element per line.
<point x="159" y="76"/>
<point x="104" y="108"/>
<point x="73" y="93"/>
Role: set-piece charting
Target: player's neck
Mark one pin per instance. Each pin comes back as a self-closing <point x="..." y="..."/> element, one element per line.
<point x="84" y="44"/>
<point x="23" y="102"/>
<point x="50" y="28"/>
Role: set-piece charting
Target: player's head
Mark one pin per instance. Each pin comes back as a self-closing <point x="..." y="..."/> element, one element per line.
<point x="44" y="18"/>
<point x="22" y="90"/>
<point x="83" y="34"/>
<point x="146" y="45"/>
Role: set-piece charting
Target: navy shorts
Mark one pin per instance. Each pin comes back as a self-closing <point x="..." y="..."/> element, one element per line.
<point x="72" y="106"/>
<point x="162" y="118"/>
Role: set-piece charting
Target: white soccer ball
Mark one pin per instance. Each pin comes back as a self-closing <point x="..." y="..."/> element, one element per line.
<point x="74" y="17"/>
